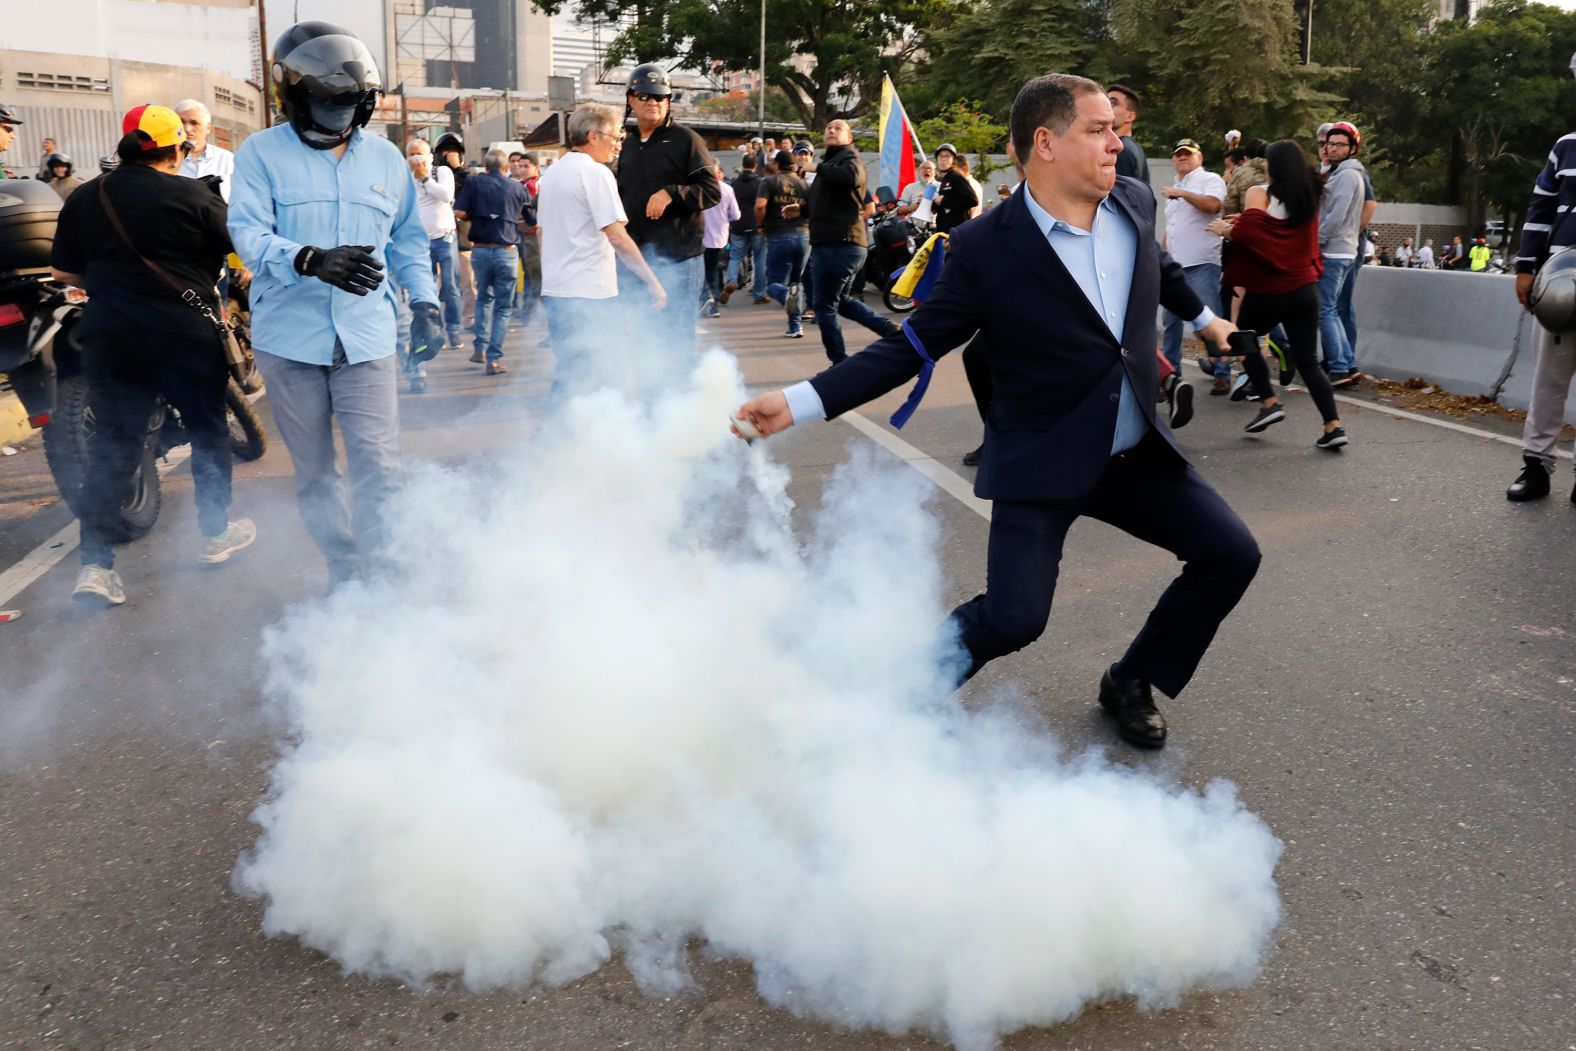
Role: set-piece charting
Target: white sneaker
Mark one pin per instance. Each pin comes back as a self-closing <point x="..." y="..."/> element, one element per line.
<point x="95" y="584"/>
<point x="237" y="535"/>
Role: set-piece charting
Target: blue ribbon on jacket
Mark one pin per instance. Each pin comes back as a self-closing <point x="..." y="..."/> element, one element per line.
<point x="915" y="396"/>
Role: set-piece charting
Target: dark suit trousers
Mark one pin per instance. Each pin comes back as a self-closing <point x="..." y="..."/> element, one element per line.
<point x="1148" y="494"/>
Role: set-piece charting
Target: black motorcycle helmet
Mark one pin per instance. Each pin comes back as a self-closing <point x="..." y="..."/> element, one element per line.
<point x="450" y="141"/>
<point x="649" y="78"/>
<point x="327" y="82"/>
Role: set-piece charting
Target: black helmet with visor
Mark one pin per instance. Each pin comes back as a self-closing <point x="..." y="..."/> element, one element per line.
<point x="327" y="82"/>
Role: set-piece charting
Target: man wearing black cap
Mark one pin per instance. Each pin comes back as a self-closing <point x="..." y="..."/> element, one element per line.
<point x="665" y="181"/>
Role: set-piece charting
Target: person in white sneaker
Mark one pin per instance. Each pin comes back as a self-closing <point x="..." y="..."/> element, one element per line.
<point x="142" y="342"/>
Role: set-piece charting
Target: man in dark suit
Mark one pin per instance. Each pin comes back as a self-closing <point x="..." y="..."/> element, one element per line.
<point x="1063" y="280"/>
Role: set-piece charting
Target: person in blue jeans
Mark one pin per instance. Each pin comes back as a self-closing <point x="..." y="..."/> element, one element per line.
<point x="838" y="241"/>
<point x="493" y="203"/>
<point x="1205" y="280"/>
<point x="780" y="209"/>
<point x="435" y="198"/>
<point x="744" y="236"/>
<point x="1340" y="240"/>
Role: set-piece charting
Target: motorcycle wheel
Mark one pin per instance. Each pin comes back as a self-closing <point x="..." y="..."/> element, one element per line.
<point x="896" y="303"/>
<point x="248" y="439"/>
<point x="66" y="451"/>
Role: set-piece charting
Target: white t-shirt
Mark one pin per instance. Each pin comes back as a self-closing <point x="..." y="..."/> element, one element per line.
<point x="435" y="198"/>
<point x="1187" y="229"/>
<point x="578" y="198"/>
<point x="213" y="160"/>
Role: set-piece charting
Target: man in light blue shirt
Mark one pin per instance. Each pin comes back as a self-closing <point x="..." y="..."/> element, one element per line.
<point x="1062" y="282"/>
<point x="317" y="211"/>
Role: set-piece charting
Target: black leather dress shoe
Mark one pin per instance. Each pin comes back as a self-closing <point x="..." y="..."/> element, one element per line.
<point x="1131" y="704"/>
<point x="1532" y="483"/>
<point x="972" y="458"/>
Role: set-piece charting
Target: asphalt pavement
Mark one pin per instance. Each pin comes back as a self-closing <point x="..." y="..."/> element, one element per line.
<point x="1395" y="697"/>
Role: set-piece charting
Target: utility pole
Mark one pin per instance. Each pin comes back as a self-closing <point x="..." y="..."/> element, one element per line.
<point x="1307" y="52"/>
<point x="761" y="127"/>
<point x="268" y="75"/>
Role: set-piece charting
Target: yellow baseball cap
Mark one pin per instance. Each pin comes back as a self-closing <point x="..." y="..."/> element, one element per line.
<point x="1187" y="144"/>
<point x="159" y="126"/>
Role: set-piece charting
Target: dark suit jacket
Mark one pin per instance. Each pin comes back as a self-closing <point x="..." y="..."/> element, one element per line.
<point x="1055" y="368"/>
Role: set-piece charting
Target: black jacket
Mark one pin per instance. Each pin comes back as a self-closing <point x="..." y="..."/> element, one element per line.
<point x="837" y="198"/>
<point x="676" y="160"/>
<point x="957" y="201"/>
<point x="1056" y="369"/>
<point x="746" y="187"/>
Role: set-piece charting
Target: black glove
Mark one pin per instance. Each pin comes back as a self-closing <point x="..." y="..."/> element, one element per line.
<point x="351" y="267"/>
<point x="426" y="332"/>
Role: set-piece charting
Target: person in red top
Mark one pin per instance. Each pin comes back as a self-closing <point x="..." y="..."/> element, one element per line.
<point x="1275" y="258"/>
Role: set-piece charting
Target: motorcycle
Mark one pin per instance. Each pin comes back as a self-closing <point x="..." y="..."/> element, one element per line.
<point x="41" y="358"/>
<point x="893" y="242"/>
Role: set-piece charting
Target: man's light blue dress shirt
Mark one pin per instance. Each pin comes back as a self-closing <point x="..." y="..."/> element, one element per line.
<point x="1101" y="261"/>
<point x="287" y="195"/>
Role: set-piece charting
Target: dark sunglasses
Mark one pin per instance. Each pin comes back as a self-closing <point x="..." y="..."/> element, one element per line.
<point x="641" y="96"/>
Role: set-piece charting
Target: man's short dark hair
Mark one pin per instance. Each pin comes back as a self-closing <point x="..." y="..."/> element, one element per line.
<point x="1134" y="103"/>
<point x="1237" y="155"/>
<point x="1256" y="147"/>
<point x="1051" y="102"/>
<point x="517" y="156"/>
<point x="748" y="162"/>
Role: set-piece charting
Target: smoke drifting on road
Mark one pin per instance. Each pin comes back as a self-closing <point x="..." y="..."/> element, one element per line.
<point x="609" y="707"/>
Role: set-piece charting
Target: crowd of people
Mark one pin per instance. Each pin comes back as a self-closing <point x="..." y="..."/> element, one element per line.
<point x="1476" y="258"/>
<point x="637" y="212"/>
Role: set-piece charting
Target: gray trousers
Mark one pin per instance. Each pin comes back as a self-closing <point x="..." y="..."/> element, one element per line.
<point x="1553" y="368"/>
<point x="364" y="397"/>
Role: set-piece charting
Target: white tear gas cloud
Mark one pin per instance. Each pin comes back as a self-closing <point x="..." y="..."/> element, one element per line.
<point x="607" y="707"/>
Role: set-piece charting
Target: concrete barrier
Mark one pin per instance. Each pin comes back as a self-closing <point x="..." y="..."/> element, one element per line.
<point x="1516" y="392"/>
<point x="1460" y="331"/>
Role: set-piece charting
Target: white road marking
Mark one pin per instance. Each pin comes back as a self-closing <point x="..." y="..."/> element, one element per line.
<point x="963" y="490"/>
<point x="955" y="484"/>
<point x="1447" y="424"/>
<point x="47" y="555"/>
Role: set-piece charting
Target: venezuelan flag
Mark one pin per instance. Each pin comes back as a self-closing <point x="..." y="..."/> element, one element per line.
<point x="898" y="141"/>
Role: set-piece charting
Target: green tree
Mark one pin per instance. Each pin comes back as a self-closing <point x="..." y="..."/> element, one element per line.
<point x="827" y="58"/>
<point x="1208" y="65"/>
<point x="1501" y="86"/>
<point x="987" y="51"/>
<point x="745" y="107"/>
<point x="967" y="127"/>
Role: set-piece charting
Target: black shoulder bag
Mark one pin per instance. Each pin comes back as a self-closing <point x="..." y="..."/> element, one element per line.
<point x="240" y="363"/>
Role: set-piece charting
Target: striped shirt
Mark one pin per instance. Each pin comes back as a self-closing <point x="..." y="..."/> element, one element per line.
<point x="1548" y="227"/>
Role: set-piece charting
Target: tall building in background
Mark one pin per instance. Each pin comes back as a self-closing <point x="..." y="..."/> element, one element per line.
<point x="469" y="45"/>
<point x="73" y="69"/>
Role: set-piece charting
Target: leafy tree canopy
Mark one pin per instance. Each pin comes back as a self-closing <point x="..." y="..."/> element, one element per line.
<point x="827" y="58"/>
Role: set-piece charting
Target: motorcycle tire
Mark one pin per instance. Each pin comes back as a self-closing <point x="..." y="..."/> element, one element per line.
<point x="66" y="451"/>
<point x="896" y="303"/>
<point x="248" y="439"/>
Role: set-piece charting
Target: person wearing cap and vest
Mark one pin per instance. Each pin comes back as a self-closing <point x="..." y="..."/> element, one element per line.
<point x="666" y="181"/>
<point x="1548" y="229"/>
<point x="319" y="209"/>
<point x="1480" y="255"/>
<point x="143" y="342"/>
